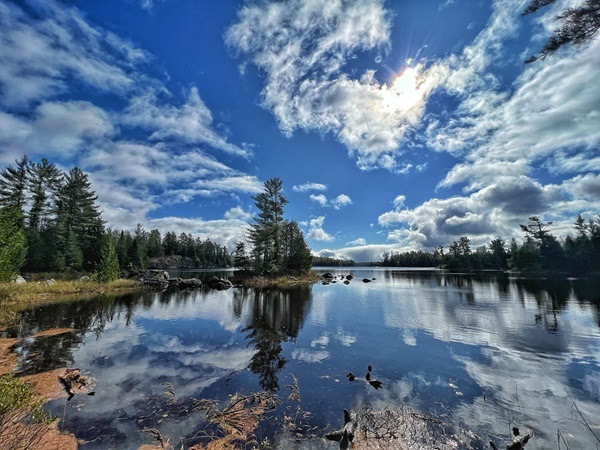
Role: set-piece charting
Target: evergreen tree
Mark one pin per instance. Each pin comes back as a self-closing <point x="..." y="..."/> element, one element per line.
<point x="579" y="25"/>
<point x="43" y="181"/>
<point x="78" y="219"/>
<point x="155" y="247"/>
<point x="265" y="233"/>
<point x="300" y="258"/>
<point x="12" y="242"/>
<point x="240" y="259"/>
<point x="13" y="184"/>
<point x="108" y="269"/>
<point x="170" y="244"/>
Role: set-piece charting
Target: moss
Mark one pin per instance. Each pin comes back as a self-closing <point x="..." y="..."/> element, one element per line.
<point x="17" y="395"/>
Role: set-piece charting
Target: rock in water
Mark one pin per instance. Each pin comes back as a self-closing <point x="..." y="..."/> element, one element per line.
<point x="366" y="280"/>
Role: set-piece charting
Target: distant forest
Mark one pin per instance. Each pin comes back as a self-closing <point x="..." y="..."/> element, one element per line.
<point x="50" y="222"/>
<point x="539" y="251"/>
<point x="331" y="262"/>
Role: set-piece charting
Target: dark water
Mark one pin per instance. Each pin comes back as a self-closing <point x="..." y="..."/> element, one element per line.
<point x="483" y="352"/>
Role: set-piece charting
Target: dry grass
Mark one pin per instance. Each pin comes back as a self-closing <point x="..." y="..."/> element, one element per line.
<point x="278" y="282"/>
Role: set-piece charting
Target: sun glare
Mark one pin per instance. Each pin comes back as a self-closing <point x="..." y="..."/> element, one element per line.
<point x="406" y="91"/>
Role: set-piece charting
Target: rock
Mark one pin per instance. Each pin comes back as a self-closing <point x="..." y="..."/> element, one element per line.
<point x="156" y="275"/>
<point x="366" y="280"/>
<point x="373" y="278"/>
<point x="327" y="275"/>
<point x="50" y="282"/>
<point x="346" y="282"/>
<point x="189" y="283"/>
<point x="219" y="283"/>
<point x="349" y="277"/>
<point x="84" y="279"/>
<point x="18" y="279"/>
<point x="334" y="281"/>
<point x="324" y="283"/>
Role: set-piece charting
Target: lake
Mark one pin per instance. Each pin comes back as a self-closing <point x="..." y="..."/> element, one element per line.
<point x="482" y="352"/>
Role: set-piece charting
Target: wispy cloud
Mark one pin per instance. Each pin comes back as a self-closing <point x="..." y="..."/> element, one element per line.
<point x="309" y="186"/>
<point x="48" y="49"/>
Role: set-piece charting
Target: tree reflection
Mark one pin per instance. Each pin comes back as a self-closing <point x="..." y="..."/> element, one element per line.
<point x="277" y="316"/>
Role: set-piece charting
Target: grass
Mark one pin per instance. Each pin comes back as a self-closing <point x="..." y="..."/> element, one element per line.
<point x="11" y="293"/>
<point x="16" y="297"/>
<point x="15" y="395"/>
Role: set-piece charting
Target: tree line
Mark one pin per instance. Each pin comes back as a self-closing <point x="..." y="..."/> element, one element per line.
<point x="540" y="250"/>
<point x="326" y="261"/>
<point x="50" y="222"/>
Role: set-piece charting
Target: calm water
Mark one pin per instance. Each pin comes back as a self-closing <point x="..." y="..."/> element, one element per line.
<point x="484" y="352"/>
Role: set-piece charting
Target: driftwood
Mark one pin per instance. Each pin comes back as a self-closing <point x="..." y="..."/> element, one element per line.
<point x="345" y="435"/>
<point x="518" y="442"/>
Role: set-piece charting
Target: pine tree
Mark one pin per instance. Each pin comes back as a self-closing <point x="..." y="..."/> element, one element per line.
<point x="13" y="184"/>
<point x="108" y="269"/>
<point x="78" y="220"/>
<point x="240" y="259"/>
<point x="265" y="233"/>
<point x="12" y="242"/>
<point x="155" y="247"/>
<point x="43" y="181"/>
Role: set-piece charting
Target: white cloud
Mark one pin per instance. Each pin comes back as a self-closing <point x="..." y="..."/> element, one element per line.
<point x="192" y="122"/>
<point x="319" y="198"/>
<point x="399" y="201"/>
<point x="316" y="230"/>
<point x="340" y="201"/>
<point x="303" y="46"/>
<point x="39" y="54"/>
<point x="496" y="209"/>
<point x="309" y="186"/>
<point x="358" y="241"/>
<point x="56" y="128"/>
<point x="336" y="203"/>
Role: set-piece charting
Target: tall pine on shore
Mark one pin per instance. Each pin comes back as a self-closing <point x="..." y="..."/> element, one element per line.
<point x="78" y="226"/>
<point x="278" y="245"/>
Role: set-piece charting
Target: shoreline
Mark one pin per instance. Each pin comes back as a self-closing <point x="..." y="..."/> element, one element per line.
<point x="17" y="297"/>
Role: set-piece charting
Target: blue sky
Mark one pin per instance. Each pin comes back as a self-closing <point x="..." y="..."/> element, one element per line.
<point x="394" y="125"/>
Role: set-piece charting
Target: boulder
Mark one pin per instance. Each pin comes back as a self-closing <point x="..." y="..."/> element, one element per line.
<point x="50" y="282"/>
<point x="189" y="283"/>
<point x="349" y="277"/>
<point x="219" y="283"/>
<point x="160" y="275"/>
<point x="366" y="280"/>
<point x="18" y="279"/>
<point x="327" y="275"/>
<point x="84" y="279"/>
<point x="346" y="282"/>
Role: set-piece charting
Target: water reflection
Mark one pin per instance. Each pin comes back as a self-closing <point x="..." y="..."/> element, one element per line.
<point x="482" y="351"/>
<point x="277" y="316"/>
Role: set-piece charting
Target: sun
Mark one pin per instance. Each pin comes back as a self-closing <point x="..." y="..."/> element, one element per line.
<point x="407" y="90"/>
